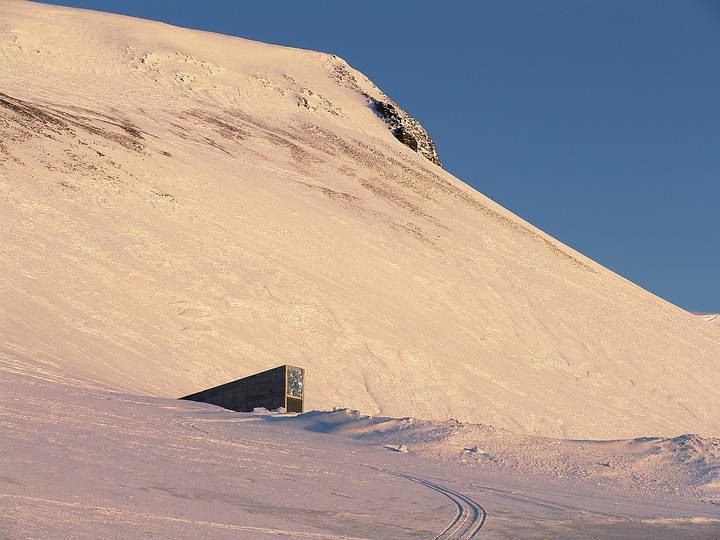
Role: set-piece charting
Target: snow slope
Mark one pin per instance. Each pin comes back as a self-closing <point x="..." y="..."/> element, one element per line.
<point x="181" y="209"/>
<point x="712" y="318"/>
<point x="82" y="462"/>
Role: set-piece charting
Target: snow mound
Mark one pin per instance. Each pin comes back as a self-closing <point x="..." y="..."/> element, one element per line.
<point x="686" y="463"/>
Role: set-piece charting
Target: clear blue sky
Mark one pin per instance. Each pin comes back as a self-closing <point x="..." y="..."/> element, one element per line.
<point x="596" y="121"/>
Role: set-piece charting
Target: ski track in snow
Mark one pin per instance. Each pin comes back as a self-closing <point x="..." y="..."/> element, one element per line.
<point x="465" y="525"/>
<point x="470" y="516"/>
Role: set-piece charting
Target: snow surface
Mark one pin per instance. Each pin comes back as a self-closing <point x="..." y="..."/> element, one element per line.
<point x="181" y="209"/>
<point x="175" y="216"/>
<point x="712" y="318"/>
<point x="80" y="461"/>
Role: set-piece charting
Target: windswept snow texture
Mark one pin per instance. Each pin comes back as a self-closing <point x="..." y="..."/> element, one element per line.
<point x="712" y="318"/>
<point x="83" y="462"/>
<point x="181" y="209"/>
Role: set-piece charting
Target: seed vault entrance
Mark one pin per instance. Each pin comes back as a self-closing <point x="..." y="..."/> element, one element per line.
<point x="283" y="386"/>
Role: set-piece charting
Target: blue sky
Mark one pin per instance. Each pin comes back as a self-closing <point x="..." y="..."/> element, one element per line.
<point x="596" y="121"/>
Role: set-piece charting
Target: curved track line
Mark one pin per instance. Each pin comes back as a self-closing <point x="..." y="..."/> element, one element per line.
<point x="470" y="515"/>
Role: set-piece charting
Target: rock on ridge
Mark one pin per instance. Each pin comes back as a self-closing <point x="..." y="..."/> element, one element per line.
<point x="405" y="128"/>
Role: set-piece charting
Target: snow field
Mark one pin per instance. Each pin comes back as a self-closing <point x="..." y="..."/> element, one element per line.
<point x="86" y="461"/>
<point x="179" y="209"/>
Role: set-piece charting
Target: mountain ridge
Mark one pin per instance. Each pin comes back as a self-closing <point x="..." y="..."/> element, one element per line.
<point x="183" y="210"/>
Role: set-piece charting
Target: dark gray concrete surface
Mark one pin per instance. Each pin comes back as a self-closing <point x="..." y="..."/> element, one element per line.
<point x="268" y="389"/>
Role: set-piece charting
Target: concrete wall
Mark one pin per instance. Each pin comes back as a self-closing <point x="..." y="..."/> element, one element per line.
<point x="267" y="389"/>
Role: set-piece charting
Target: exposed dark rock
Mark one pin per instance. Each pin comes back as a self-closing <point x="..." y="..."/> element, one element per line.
<point x="406" y="129"/>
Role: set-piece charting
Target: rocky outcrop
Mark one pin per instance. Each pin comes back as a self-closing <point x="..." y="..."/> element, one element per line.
<point x="406" y="129"/>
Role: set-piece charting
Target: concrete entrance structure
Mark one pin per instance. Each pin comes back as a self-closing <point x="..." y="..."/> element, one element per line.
<point x="282" y="386"/>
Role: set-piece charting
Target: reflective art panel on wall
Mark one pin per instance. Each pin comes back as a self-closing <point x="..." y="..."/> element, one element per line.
<point x="294" y="382"/>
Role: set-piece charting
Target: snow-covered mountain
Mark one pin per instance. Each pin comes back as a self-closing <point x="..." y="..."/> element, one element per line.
<point x="181" y="209"/>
